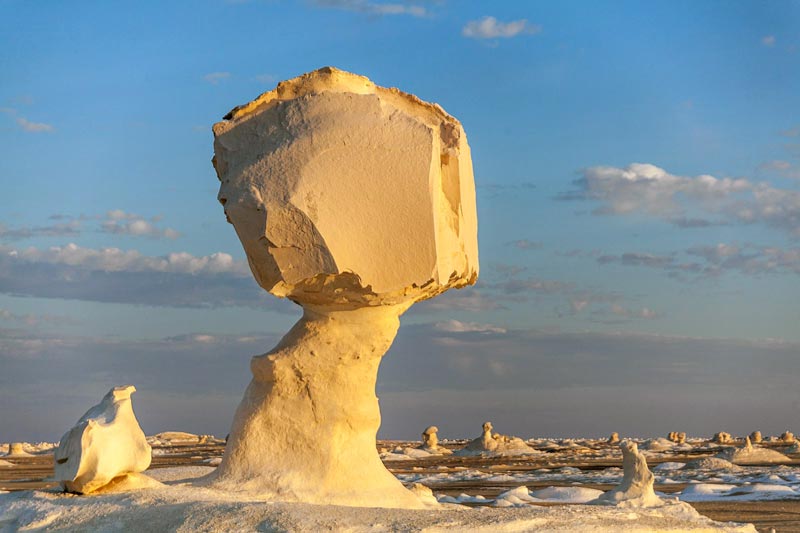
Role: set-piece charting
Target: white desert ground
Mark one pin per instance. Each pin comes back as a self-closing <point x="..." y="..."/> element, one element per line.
<point x="546" y="487"/>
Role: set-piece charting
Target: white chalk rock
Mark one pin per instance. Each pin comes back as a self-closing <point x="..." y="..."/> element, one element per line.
<point x="495" y="444"/>
<point x="430" y="442"/>
<point x="756" y="437"/>
<point x="354" y="201"/>
<point x="344" y="191"/>
<point x="613" y="438"/>
<point x="636" y="488"/>
<point x="17" y="449"/>
<point x="749" y="454"/>
<point x="106" y="443"/>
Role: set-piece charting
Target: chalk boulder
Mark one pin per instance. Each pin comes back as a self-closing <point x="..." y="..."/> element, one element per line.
<point x="636" y="488"/>
<point x="613" y="438"/>
<point x="756" y="437"/>
<point x="105" y="444"/>
<point x="354" y="201"/>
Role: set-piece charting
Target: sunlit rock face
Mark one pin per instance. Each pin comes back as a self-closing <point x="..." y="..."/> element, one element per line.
<point x="636" y="487"/>
<point x="354" y="201"/>
<point x="106" y="443"/>
<point x="345" y="192"/>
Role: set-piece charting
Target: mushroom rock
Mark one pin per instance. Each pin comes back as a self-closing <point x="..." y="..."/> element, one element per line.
<point x="636" y="487"/>
<point x="787" y="436"/>
<point x="430" y="442"/>
<point x="106" y="443"/>
<point x="614" y="438"/>
<point x="354" y="201"/>
<point x="756" y="437"/>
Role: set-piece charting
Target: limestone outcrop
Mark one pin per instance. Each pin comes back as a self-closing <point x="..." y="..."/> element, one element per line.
<point x="430" y="442"/>
<point x="490" y="443"/>
<point x="636" y="488"/>
<point x="613" y="438"/>
<point x="106" y="443"/>
<point x="354" y="201"/>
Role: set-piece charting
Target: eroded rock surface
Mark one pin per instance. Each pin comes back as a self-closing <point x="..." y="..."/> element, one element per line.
<point x="354" y="201"/>
<point x="106" y="443"/>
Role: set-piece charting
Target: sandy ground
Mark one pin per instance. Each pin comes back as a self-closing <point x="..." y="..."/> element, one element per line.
<point x="782" y="516"/>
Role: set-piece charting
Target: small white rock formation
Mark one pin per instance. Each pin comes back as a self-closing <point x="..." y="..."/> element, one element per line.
<point x="613" y="438"/>
<point x="636" y="487"/>
<point x="787" y="437"/>
<point x="748" y="454"/>
<point x="494" y="443"/>
<point x="755" y="437"/>
<point x="430" y="442"/>
<point x="106" y="443"/>
<point x="722" y="437"/>
<point x="677" y="437"/>
<point x="17" y="449"/>
<point x="353" y="201"/>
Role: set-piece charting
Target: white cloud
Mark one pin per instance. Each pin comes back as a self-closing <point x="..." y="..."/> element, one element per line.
<point x="117" y="260"/>
<point x="491" y="28"/>
<point x="642" y="188"/>
<point x="34" y="127"/>
<point x="119" y="222"/>
<point x="215" y="77"/>
<point x="456" y="326"/>
<point x="177" y="279"/>
<point x="768" y="40"/>
<point x="374" y="8"/>
<point x="781" y="167"/>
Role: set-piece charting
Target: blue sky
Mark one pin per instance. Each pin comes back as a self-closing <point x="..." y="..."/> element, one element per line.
<point x="638" y="176"/>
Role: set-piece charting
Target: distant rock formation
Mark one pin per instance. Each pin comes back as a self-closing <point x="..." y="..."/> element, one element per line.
<point x="494" y="443"/>
<point x="613" y="438"/>
<point x="430" y="442"/>
<point x="677" y="438"/>
<point x="636" y="488"/>
<point x="755" y="437"/>
<point x="722" y="438"/>
<point x="106" y="443"/>
<point x="787" y="437"/>
<point x="748" y="454"/>
<point x="17" y="449"/>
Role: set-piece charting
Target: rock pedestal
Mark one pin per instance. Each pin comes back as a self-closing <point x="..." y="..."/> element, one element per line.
<point x="354" y="201"/>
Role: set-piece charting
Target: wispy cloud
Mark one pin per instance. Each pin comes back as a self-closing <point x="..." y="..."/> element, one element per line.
<point x="650" y="190"/>
<point x="791" y="132"/>
<point x="119" y="222"/>
<point x="491" y="28"/>
<point x="34" y="127"/>
<point x="70" y="228"/>
<point x="374" y="8"/>
<point x="781" y="167"/>
<point x="768" y="41"/>
<point x="525" y="244"/>
<point x="215" y="78"/>
<point x="709" y="261"/>
<point x="27" y="125"/>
